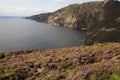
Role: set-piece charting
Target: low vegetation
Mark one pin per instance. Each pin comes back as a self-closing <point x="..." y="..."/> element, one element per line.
<point x="96" y="62"/>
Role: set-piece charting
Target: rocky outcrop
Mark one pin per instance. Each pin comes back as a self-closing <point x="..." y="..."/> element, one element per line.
<point x="91" y="16"/>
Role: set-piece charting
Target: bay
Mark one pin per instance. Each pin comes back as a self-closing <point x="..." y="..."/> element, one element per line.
<point x="19" y="33"/>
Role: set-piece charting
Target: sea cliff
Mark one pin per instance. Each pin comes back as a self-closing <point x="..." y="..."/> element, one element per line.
<point x="101" y="20"/>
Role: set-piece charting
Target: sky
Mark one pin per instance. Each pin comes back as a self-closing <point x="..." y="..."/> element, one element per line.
<point x="32" y="7"/>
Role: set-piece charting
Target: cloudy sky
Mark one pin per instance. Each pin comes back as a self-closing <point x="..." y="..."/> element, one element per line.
<point x="31" y="7"/>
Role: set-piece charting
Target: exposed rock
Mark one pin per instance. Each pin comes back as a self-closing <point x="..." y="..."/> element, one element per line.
<point x="92" y="16"/>
<point x="117" y="19"/>
<point x="105" y="1"/>
<point x="2" y="56"/>
<point x="107" y="30"/>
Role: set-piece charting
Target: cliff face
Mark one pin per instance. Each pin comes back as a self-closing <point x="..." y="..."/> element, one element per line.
<point x="107" y="29"/>
<point x="77" y="15"/>
<point x="101" y="19"/>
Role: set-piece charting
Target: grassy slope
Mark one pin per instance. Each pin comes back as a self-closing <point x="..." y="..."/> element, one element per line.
<point x="96" y="62"/>
<point x="111" y="12"/>
<point x="97" y="36"/>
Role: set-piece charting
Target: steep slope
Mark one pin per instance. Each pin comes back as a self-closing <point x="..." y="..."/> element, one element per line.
<point x="100" y="19"/>
<point x="108" y="29"/>
<point x="96" y="62"/>
<point x="76" y="16"/>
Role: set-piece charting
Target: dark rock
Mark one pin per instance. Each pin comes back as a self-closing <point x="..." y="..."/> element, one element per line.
<point x="2" y="56"/>
<point x="30" y="64"/>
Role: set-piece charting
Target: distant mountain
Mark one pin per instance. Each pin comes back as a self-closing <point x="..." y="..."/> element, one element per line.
<point x="100" y="19"/>
<point x="40" y="18"/>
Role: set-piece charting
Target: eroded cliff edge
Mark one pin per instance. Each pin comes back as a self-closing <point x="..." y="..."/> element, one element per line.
<point x="100" y="19"/>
